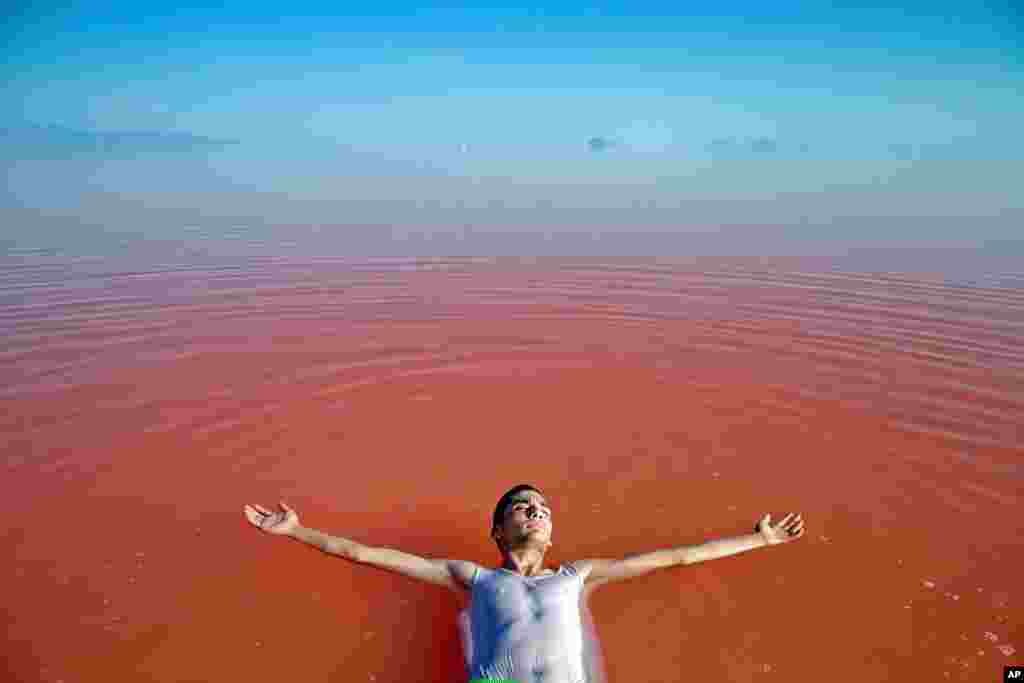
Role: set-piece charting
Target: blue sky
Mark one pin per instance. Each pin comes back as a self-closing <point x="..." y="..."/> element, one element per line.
<point x="642" y="114"/>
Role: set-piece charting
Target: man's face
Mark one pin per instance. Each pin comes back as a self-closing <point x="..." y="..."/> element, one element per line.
<point x="527" y="521"/>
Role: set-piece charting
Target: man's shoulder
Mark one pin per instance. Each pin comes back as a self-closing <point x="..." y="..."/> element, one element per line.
<point x="570" y="568"/>
<point x="578" y="567"/>
<point x="463" y="571"/>
<point x="588" y="570"/>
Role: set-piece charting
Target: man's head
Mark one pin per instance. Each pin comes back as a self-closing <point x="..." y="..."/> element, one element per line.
<point x="522" y="517"/>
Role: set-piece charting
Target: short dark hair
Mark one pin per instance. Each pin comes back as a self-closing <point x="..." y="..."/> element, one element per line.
<point x="499" y="509"/>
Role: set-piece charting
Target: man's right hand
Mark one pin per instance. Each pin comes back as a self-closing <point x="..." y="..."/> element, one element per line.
<point x="279" y="523"/>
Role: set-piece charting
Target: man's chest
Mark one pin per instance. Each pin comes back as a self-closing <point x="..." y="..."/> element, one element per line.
<point x="514" y="598"/>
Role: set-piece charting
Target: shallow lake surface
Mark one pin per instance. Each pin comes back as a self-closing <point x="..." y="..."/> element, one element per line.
<point x="148" y="394"/>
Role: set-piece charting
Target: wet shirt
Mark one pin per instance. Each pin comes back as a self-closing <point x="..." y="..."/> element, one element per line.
<point x="526" y="629"/>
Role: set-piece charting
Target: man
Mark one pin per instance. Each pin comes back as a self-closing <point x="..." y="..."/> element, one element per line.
<point x="525" y="620"/>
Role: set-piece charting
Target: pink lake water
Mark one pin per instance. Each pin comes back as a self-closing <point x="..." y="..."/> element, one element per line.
<point x="149" y="393"/>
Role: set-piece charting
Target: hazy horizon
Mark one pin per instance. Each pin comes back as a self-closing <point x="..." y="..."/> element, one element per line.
<point x="861" y="126"/>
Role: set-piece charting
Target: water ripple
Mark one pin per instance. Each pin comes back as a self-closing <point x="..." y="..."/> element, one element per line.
<point x="67" y="321"/>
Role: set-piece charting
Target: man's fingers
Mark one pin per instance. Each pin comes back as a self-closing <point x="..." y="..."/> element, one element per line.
<point x="253" y="516"/>
<point x="284" y="506"/>
<point x="797" y="528"/>
<point x="785" y="520"/>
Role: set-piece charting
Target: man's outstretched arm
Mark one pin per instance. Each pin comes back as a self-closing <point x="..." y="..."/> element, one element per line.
<point x="596" y="572"/>
<point x="454" y="574"/>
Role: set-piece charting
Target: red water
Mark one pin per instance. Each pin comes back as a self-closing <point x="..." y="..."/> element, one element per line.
<point x="657" y="403"/>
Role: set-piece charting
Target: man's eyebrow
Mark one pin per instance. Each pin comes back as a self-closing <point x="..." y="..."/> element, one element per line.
<point x="527" y="500"/>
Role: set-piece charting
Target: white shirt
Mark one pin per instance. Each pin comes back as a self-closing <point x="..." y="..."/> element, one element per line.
<point x="527" y="629"/>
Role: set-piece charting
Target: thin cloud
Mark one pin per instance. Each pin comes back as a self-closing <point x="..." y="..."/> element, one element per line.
<point x="902" y="150"/>
<point x="46" y="142"/>
<point x="600" y="144"/>
<point x="764" y="145"/>
<point x="758" y="145"/>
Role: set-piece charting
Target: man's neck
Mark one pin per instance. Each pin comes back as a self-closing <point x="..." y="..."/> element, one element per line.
<point x="524" y="562"/>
